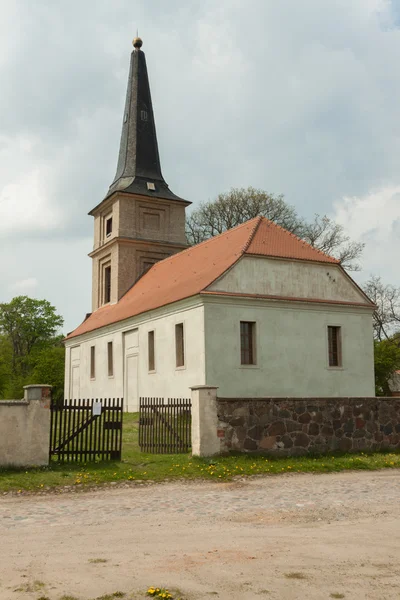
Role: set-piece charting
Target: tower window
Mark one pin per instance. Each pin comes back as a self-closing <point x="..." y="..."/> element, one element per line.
<point x="107" y="285"/>
<point x="108" y="227"/>
<point x="143" y="115"/>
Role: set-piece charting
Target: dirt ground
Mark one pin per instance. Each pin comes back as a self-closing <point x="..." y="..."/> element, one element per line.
<point x="284" y="537"/>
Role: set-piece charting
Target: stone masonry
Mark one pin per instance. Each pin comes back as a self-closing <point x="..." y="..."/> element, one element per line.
<point x="296" y="426"/>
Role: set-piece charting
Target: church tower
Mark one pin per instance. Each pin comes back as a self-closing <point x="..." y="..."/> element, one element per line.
<point x="140" y="221"/>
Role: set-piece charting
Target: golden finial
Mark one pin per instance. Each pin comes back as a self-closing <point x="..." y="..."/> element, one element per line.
<point x="137" y="43"/>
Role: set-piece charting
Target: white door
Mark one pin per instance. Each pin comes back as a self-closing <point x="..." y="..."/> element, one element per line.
<point x="75" y="383"/>
<point x="131" y="399"/>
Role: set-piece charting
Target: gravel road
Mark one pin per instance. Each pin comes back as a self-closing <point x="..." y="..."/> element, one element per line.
<point x="279" y="537"/>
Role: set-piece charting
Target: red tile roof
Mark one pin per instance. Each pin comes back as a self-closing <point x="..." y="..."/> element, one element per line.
<point x="191" y="271"/>
<point x="272" y="240"/>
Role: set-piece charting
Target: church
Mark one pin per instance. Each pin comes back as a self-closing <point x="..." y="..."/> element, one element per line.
<point x="255" y="311"/>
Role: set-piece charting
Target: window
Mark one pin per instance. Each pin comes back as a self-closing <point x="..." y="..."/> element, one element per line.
<point x="108" y="227"/>
<point x="152" y="362"/>
<point x="247" y="342"/>
<point x="92" y="362"/>
<point x="107" y="285"/>
<point x="110" y="359"/>
<point x="335" y="346"/>
<point x="179" y="345"/>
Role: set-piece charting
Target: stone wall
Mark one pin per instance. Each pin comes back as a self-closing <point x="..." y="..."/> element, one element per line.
<point x="295" y="426"/>
<point x="25" y="428"/>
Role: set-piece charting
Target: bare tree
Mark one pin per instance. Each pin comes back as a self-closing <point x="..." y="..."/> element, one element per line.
<point x="386" y="320"/>
<point x="240" y="205"/>
<point x="328" y="236"/>
<point x="236" y="207"/>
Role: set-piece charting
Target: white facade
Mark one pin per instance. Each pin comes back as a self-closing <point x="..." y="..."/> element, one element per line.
<point x="131" y="376"/>
<point x="291" y="339"/>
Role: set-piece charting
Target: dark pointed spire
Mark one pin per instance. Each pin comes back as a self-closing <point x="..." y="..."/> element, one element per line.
<point x="139" y="168"/>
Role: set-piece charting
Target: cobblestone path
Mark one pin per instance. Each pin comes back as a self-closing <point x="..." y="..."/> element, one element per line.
<point x="337" y="494"/>
<point x="282" y="537"/>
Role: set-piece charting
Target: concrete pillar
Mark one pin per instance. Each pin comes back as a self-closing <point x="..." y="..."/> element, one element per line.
<point x="40" y="392"/>
<point x="205" y="440"/>
<point x="39" y="398"/>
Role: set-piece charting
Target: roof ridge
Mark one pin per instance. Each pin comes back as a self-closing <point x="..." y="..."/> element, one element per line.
<point x="301" y="240"/>
<point x="257" y="220"/>
<point x="207" y="241"/>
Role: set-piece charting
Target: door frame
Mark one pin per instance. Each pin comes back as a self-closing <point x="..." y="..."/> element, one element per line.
<point x="126" y="399"/>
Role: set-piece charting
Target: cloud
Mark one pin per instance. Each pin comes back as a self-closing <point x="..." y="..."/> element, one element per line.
<point x="26" y="287"/>
<point x="24" y="206"/>
<point x="299" y="98"/>
<point x="375" y="220"/>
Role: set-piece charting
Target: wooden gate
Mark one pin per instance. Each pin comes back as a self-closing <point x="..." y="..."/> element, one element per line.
<point x="83" y="430"/>
<point x="165" y="428"/>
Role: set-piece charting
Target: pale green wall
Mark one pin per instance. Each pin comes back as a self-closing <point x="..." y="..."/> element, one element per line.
<point x="292" y="357"/>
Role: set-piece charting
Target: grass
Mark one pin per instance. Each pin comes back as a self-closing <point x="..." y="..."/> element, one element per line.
<point x="137" y="466"/>
<point x="30" y="588"/>
<point x="96" y="561"/>
<point x="295" y="575"/>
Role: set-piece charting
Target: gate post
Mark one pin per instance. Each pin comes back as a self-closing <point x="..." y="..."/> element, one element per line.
<point x="39" y="397"/>
<point x="205" y="441"/>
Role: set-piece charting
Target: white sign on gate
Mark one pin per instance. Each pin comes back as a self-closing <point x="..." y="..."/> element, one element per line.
<point x="96" y="409"/>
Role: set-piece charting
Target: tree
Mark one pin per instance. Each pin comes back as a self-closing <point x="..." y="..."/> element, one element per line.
<point x="240" y="205"/>
<point x="5" y="365"/>
<point x="236" y="207"/>
<point x="328" y="236"/>
<point x="27" y="328"/>
<point x="29" y="324"/>
<point x="387" y="361"/>
<point x="49" y="369"/>
<point x="386" y="319"/>
<point x="4" y="377"/>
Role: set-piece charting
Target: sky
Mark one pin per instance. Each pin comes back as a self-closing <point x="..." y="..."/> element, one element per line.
<point x="296" y="97"/>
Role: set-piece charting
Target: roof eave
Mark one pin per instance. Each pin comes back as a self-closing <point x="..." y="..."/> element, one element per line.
<point x="287" y="299"/>
<point x="126" y="194"/>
